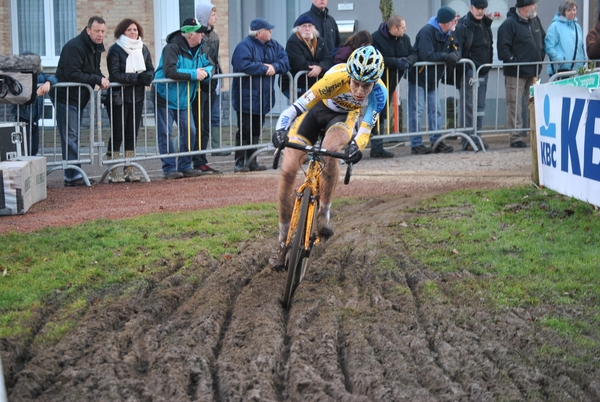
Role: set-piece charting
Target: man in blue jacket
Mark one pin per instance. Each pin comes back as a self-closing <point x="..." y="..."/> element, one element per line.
<point x="182" y="59"/>
<point x="435" y="42"/>
<point x="253" y="97"/>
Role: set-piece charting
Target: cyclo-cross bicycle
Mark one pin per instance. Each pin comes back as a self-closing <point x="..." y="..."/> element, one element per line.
<point x="303" y="234"/>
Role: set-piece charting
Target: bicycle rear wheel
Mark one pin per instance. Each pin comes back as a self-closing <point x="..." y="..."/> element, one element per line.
<point x="297" y="259"/>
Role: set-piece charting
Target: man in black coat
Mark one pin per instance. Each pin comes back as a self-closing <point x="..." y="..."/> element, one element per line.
<point x="306" y="51"/>
<point x="520" y="40"/>
<point x="398" y="56"/>
<point x="79" y="62"/>
<point x="325" y="24"/>
<point x="474" y="33"/>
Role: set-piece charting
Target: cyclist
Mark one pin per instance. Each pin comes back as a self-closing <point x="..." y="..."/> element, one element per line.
<point x="345" y="105"/>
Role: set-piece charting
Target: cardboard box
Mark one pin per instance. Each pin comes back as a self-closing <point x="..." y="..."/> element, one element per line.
<point x="39" y="186"/>
<point x="15" y="197"/>
<point x="22" y="184"/>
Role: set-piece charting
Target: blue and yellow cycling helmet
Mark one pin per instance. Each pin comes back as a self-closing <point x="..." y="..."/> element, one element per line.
<point x="365" y="64"/>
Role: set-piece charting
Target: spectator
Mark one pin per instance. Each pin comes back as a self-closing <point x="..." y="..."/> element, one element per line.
<point x="324" y="24"/>
<point x="260" y="57"/>
<point x="30" y="114"/>
<point x="434" y="43"/>
<point x="79" y="62"/>
<point x="359" y="39"/>
<point x="564" y="39"/>
<point x="592" y="41"/>
<point x="474" y="33"/>
<point x="306" y="52"/>
<point x="206" y="15"/>
<point x="398" y="56"/>
<point x="520" y="40"/>
<point x="181" y="60"/>
<point x="129" y="63"/>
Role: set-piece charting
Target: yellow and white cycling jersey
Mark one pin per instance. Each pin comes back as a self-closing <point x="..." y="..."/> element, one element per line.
<point x="334" y="91"/>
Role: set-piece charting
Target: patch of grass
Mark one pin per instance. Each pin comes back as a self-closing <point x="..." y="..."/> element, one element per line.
<point x="76" y="260"/>
<point x="429" y="292"/>
<point x="54" y="332"/>
<point x="531" y="248"/>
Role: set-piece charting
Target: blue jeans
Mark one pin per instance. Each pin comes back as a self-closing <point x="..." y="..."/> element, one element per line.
<point x="67" y="120"/>
<point x="165" y="118"/>
<point x="416" y="104"/>
<point x="466" y="101"/>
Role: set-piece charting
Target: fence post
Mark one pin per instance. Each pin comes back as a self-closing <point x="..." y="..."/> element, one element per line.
<point x="535" y="176"/>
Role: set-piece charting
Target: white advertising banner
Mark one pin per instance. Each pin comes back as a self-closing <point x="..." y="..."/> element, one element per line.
<point x="568" y="140"/>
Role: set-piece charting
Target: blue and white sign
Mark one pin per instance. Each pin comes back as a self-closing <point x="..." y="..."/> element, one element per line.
<point x="568" y="140"/>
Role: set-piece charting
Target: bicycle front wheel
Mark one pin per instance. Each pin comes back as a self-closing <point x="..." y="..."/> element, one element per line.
<point x="296" y="256"/>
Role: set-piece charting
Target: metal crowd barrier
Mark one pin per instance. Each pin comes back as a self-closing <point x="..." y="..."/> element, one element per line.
<point x="96" y="125"/>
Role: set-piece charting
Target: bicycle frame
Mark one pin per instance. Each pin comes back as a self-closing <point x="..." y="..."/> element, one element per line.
<point x="313" y="182"/>
<point x="300" y="238"/>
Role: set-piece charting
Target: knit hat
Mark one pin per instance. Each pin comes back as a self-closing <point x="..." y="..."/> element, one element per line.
<point x="446" y="14"/>
<point x="523" y="3"/>
<point x="260" y="23"/>
<point x="304" y="19"/>
<point x="191" y="25"/>
<point x="479" y="3"/>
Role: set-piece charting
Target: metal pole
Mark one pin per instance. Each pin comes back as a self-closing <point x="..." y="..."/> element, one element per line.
<point x="3" y="397"/>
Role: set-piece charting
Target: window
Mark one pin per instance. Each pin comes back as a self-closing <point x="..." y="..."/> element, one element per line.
<point x="43" y="27"/>
<point x="187" y="9"/>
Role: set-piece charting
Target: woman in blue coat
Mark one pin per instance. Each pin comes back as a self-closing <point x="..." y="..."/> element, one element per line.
<point x="564" y="39"/>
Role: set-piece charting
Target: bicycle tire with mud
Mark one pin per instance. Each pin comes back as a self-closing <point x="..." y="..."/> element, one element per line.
<point x="296" y="254"/>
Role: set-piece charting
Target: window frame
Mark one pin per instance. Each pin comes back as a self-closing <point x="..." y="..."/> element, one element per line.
<point x="49" y="28"/>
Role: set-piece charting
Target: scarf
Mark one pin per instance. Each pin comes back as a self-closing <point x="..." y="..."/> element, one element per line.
<point x="135" y="61"/>
<point x="312" y="44"/>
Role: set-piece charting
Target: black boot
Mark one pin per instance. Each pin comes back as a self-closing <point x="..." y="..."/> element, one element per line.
<point x="240" y="166"/>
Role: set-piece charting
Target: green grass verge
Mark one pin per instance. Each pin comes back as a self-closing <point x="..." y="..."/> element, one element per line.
<point x="76" y="260"/>
<point x="528" y="248"/>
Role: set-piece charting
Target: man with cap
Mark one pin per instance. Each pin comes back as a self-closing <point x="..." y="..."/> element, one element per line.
<point x="520" y="40"/>
<point x="474" y="33"/>
<point x="435" y="42"/>
<point x="306" y="51"/>
<point x="182" y="59"/>
<point x="325" y="24"/>
<point x="253" y="97"/>
<point x="398" y="55"/>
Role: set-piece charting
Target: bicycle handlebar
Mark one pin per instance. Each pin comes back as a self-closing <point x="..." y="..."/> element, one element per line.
<point x="315" y="150"/>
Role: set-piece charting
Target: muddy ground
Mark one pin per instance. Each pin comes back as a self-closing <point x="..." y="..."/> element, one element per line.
<point x="362" y="327"/>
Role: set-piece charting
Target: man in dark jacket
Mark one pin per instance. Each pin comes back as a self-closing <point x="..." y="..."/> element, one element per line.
<point x="520" y="40"/>
<point x="474" y="33"/>
<point x="79" y="62"/>
<point x="306" y="51"/>
<point x="398" y="56"/>
<point x="435" y="42"/>
<point x="325" y="24"/>
<point x="253" y="97"/>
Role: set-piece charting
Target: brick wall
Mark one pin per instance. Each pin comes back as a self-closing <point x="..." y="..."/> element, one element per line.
<point x="5" y="36"/>
<point x="113" y="11"/>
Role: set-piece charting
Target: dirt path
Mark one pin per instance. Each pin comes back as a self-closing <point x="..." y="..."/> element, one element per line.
<point x="363" y="325"/>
